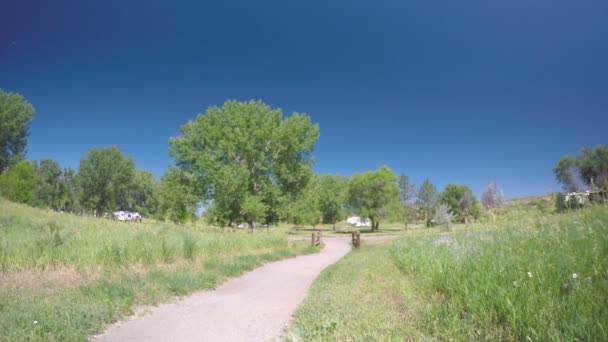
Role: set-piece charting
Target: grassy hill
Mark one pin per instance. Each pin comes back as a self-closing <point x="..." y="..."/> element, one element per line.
<point x="62" y="277"/>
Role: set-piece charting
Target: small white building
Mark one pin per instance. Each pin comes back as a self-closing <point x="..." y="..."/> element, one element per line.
<point x="358" y="221"/>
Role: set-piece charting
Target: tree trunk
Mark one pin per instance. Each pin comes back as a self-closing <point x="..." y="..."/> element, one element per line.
<point x="252" y="224"/>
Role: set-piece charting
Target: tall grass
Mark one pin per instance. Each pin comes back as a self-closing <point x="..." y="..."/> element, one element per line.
<point x="63" y="277"/>
<point x="532" y="276"/>
<point x="34" y="238"/>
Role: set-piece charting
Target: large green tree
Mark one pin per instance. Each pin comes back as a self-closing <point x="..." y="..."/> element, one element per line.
<point x="246" y="159"/>
<point x="105" y="177"/>
<point x="16" y="116"/>
<point x="371" y="194"/>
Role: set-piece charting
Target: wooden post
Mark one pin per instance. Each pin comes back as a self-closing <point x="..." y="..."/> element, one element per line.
<point x="356" y="239"/>
<point x="315" y="239"/>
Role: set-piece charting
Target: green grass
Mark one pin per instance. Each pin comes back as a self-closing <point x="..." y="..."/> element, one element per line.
<point x="363" y="297"/>
<point x="510" y="277"/>
<point x="64" y="277"/>
<point x="537" y="277"/>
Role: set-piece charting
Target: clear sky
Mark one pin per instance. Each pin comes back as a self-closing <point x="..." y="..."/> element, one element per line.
<point x="457" y="91"/>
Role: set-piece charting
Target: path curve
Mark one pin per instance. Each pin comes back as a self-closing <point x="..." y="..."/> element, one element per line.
<point x="254" y="307"/>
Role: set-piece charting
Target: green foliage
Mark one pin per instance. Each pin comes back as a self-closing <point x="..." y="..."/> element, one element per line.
<point x="461" y="201"/>
<point x="70" y="190"/>
<point x="593" y="164"/>
<point x="245" y="149"/>
<point x="590" y="168"/>
<point x="16" y="116"/>
<point x="51" y="188"/>
<point x="177" y="201"/>
<point x="253" y="208"/>
<point x="105" y="176"/>
<point x="561" y="172"/>
<point x="305" y="208"/>
<point x="370" y="194"/>
<point x="407" y="193"/>
<point x="144" y="193"/>
<point x="19" y="184"/>
<point x="531" y="278"/>
<point x="332" y="194"/>
<point x="427" y="198"/>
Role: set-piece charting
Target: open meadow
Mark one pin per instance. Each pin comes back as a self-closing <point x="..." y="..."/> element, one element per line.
<point x="526" y="275"/>
<point x="63" y="277"/>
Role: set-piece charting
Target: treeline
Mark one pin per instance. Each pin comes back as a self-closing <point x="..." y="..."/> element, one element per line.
<point x="243" y="162"/>
<point x="105" y="181"/>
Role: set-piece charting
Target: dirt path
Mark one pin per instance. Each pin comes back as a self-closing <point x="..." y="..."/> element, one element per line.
<point x="254" y="307"/>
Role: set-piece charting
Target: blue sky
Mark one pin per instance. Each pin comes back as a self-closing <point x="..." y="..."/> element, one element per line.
<point x="457" y="91"/>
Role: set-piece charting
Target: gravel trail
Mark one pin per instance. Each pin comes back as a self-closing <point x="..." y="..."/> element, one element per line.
<point x="257" y="306"/>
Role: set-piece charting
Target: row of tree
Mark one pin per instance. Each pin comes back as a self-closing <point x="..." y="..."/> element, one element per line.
<point x="244" y="162"/>
<point x="105" y="180"/>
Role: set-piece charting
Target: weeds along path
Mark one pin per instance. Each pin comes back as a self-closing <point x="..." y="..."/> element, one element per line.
<point x="254" y="307"/>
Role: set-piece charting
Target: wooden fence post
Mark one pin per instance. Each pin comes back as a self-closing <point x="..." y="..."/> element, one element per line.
<point x="356" y="239"/>
<point x="315" y="239"/>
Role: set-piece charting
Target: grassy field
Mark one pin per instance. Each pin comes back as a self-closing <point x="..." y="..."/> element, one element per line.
<point x="63" y="277"/>
<point x="363" y="297"/>
<point x="525" y="276"/>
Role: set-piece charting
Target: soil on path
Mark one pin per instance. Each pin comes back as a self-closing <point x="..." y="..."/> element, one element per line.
<point x="254" y="307"/>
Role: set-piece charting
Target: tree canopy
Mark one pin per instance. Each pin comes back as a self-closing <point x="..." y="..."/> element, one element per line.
<point x="332" y="191"/>
<point x="589" y="169"/>
<point x="427" y="197"/>
<point x="105" y="176"/>
<point x="246" y="159"/>
<point x="460" y="199"/>
<point x="20" y="182"/>
<point x="370" y="194"/>
<point x="177" y="201"/>
<point x="16" y="116"/>
<point x="51" y="183"/>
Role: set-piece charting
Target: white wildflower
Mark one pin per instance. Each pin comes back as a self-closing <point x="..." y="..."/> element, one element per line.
<point x="35" y="322"/>
<point x="529" y="274"/>
<point x="574" y="275"/>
